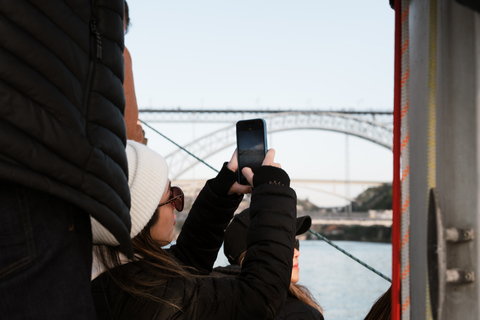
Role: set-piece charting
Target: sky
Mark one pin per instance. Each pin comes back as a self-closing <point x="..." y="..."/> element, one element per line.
<point x="275" y="54"/>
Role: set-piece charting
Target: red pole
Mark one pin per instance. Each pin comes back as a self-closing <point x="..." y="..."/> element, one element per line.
<point x="396" y="197"/>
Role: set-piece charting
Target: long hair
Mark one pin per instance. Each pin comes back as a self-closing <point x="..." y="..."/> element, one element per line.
<point x="298" y="291"/>
<point x="381" y="309"/>
<point x="157" y="266"/>
<point x="303" y="294"/>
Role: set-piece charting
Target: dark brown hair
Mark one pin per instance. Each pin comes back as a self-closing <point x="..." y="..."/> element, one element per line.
<point x="303" y="294"/>
<point x="381" y="309"/>
<point x="157" y="264"/>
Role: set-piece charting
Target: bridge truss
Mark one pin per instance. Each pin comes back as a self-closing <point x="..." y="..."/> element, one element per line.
<point x="372" y="126"/>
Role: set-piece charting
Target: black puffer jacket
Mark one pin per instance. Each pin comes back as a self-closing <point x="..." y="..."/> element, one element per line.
<point x="61" y="104"/>
<point x="257" y="292"/>
<point x="293" y="309"/>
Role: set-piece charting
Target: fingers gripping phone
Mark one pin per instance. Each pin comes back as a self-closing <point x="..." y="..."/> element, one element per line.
<point x="251" y="145"/>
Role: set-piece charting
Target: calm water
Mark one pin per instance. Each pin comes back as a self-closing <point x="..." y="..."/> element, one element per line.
<point x="345" y="289"/>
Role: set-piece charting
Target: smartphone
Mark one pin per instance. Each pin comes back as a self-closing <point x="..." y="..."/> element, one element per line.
<point x="251" y="145"/>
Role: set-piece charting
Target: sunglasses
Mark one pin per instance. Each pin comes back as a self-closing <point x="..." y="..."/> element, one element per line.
<point x="176" y="197"/>
<point x="297" y="244"/>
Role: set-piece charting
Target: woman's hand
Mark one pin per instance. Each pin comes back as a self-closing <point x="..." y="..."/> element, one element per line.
<point x="268" y="161"/>
<point x="238" y="188"/>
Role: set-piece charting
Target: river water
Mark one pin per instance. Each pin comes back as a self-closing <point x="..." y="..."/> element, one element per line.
<point x="345" y="289"/>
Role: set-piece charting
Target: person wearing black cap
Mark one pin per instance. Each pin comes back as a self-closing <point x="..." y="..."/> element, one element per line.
<point x="300" y="303"/>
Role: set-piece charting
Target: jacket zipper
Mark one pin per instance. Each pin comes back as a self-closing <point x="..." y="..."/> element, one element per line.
<point x="95" y="54"/>
<point x="94" y="29"/>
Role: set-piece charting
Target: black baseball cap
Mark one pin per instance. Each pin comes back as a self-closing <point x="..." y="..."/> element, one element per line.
<point x="236" y="234"/>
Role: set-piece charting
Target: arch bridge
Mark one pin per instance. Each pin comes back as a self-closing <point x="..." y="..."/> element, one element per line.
<point x="369" y="125"/>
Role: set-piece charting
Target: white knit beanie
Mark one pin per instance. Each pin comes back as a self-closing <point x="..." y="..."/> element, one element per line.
<point x="147" y="179"/>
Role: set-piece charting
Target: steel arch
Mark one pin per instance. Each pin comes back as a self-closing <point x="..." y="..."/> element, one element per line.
<point x="205" y="146"/>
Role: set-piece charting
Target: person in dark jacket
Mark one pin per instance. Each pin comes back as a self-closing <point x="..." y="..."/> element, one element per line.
<point x="62" y="151"/>
<point x="300" y="304"/>
<point x="175" y="283"/>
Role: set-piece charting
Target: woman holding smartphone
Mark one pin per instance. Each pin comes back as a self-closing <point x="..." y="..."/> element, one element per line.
<point x="174" y="283"/>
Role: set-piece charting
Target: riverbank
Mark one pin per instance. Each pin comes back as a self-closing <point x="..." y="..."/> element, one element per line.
<point x="379" y="234"/>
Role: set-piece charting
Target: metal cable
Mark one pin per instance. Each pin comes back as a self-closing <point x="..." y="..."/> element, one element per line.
<point x="350" y="255"/>
<point x="176" y="144"/>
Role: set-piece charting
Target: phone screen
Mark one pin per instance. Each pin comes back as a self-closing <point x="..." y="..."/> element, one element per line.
<point x="251" y="147"/>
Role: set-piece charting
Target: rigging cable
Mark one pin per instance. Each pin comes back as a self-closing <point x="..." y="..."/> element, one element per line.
<point x="350" y="255"/>
<point x="176" y="144"/>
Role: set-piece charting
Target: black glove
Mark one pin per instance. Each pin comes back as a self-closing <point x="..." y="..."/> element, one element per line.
<point x="224" y="180"/>
<point x="270" y="175"/>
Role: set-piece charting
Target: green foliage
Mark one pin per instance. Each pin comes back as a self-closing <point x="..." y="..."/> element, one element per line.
<point x="375" y="198"/>
<point x="306" y="205"/>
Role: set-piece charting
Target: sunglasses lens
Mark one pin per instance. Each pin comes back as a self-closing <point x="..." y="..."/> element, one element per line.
<point x="178" y="194"/>
<point x="297" y="244"/>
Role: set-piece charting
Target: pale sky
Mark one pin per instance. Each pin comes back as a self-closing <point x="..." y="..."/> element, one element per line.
<point x="302" y="54"/>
